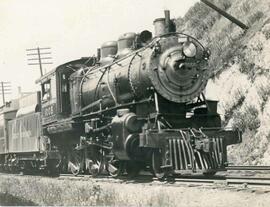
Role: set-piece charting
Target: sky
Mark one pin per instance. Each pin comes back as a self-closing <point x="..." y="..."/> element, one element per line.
<point x="72" y="28"/>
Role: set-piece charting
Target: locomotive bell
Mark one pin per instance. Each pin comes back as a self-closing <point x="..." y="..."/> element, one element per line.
<point x="145" y="36"/>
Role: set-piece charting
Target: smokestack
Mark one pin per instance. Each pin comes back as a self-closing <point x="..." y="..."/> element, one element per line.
<point x="20" y="91"/>
<point x="167" y="20"/>
<point x="162" y="25"/>
<point x="98" y="54"/>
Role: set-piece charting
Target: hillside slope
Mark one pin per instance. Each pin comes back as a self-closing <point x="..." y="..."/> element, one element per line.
<point x="240" y="62"/>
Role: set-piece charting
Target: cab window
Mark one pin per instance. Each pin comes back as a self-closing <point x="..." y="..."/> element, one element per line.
<point x="64" y="84"/>
<point x="46" y="91"/>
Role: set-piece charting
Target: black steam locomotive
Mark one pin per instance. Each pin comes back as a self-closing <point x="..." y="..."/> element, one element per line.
<point x="138" y="105"/>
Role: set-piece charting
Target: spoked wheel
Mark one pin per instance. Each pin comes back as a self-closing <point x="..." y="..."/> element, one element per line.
<point x="156" y="165"/>
<point x="97" y="162"/>
<point x="74" y="167"/>
<point x="94" y="168"/>
<point x="75" y="163"/>
<point x="115" y="167"/>
<point x="133" y="168"/>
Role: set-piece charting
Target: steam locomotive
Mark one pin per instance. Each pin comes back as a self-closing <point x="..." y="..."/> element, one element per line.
<point x="139" y="104"/>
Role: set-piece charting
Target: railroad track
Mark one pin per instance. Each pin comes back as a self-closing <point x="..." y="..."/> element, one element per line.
<point x="243" y="181"/>
<point x="229" y="181"/>
<point x="248" y="168"/>
<point x="197" y="180"/>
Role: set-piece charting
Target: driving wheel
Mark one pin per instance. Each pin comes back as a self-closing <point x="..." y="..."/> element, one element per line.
<point x="115" y="167"/>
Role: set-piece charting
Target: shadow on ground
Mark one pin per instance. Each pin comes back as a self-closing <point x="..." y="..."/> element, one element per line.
<point x="10" y="200"/>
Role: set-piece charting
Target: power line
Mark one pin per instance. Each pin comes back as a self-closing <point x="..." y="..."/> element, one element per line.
<point x="5" y="89"/>
<point x="41" y="48"/>
<point x="38" y="57"/>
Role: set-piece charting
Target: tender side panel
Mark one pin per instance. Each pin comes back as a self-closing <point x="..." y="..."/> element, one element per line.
<point x="25" y="133"/>
<point x="2" y="135"/>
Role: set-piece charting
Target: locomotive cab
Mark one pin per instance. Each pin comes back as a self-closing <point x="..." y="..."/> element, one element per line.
<point x="49" y="99"/>
<point x="55" y="87"/>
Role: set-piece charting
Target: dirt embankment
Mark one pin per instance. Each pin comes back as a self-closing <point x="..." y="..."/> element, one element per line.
<point x="240" y="62"/>
<point x="53" y="191"/>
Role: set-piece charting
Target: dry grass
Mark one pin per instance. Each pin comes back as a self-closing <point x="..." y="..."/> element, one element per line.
<point x="47" y="192"/>
<point x="55" y="192"/>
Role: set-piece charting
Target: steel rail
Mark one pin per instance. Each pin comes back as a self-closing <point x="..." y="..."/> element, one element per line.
<point x="247" y="178"/>
<point x="226" y="181"/>
<point x="242" y="167"/>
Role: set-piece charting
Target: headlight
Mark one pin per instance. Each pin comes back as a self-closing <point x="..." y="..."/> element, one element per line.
<point x="189" y="49"/>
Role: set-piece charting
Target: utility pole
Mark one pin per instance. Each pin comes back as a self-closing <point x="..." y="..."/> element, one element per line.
<point x="5" y="89"/>
<point x="38" y="54"/>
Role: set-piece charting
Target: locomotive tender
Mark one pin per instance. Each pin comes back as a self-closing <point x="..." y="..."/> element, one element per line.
<point x="139" y="104"/>
<point x="22" y="144"/>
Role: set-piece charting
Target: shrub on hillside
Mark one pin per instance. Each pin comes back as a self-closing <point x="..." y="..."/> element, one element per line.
<point x="245" y="7"/>
<point x="255" y="17"/>
<point x="241" y="154"/>
<point x="266" y="31"/>
<point x="264" y="93"/>
<point x="230" y="110"/>
<point x="249" y="152"/>
<point x="250" y="69"/>
<point x="246" y="118"/>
